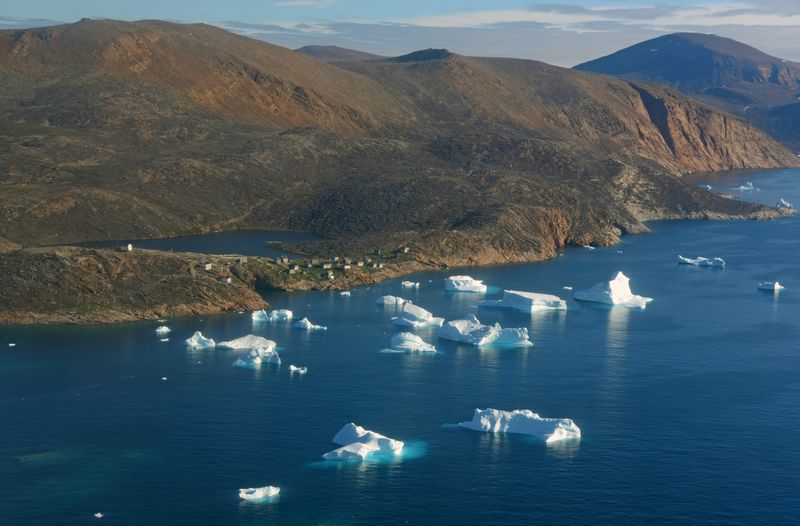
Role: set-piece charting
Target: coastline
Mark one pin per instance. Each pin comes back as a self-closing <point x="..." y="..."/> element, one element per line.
<point x="104" y="286"/>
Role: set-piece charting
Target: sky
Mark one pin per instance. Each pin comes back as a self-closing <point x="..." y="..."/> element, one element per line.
<point x="564" y="32"/>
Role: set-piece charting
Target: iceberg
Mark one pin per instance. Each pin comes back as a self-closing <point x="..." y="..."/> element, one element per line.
<point x="523" y="422"/>
<point x="471" y="331"/>
<point x="255" y="357"/>
<point x="306" y="325"/>
<point x="260" y="315"/>
<point x="614" y="292"/>
<point x="526" y="301"/>
<point x="464" y="284"/>
<point x="391" y="300"/>
<point x="358" y="443"/>
<point x="705" y="186"/>
<point x="200" y="342"/>
<point x="164" y="340"/>
<point x="413" y="316"/>
<point x="299" y="370"/>
<point x="405" y="342"/>
<point x="163" y="330"/>
<point x="410" y="284"/>
<point x="746" y="187"/>
<point x="770" y="285"/>
<point x="345" y="293"/>
<point x="259" y="493"/>
<point x="567" y="287"/>
<point x="783" y="203"/>
<point x="700" y="261"/>
<point x="248" y="342"/>
<point x="12" y="344"/>
<point x="98" y="515"/>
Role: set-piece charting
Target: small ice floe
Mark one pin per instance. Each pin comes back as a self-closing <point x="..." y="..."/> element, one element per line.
<point x="306" y="325"/>
<point x="163" y="330"/>
<point x="260" y="315"/>
<point x="614" y="292"/>
<point x="391" y="300"/>
<point x="700" y="261"/>
<point x="773" y="286"/>
<point x="619" y="252"/>
<point x="783" y="203"/>
<point x="588" y="247"/>
<point x="408" y="343"/>
<point x="471" y="331"/>
<point x="200" y="342"/>
<point x="523" y="421"/>
<point x="526" y="301"/>
<point x="566" y="287"/>
<point x="410" y="284"/>
<point x="163" y="378"/>
<point x="413" y="316"/>
<point x="746" y="187"/>
<point x="358" y="443"/>
<point x="464" y="284"/>
<point x="345" y="293"/>
<point x="98" y="515"/>
<point x="164" y="340"/>
<point x="12" y="344"/>
<point x="293" y="369"/>
<point x="705" y="186"/>
<point x="259" y="493"/>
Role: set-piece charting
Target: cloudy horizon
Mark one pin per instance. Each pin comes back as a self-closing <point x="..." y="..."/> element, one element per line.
<point x="561" y="33"/>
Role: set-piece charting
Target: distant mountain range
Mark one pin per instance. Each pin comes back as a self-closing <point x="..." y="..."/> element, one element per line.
<point x="336" y="53"/>
<point x="723" y="72"/>
<point x="123" y="130"/>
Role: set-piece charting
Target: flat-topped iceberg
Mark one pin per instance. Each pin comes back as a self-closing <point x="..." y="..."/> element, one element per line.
<point x="523" y="422"/>
<point x="700" y="261"/>
<point x="391" y="300"/>
<point x="614" y="292"/>
<point x="405" y="342"/>
<point x="259" y="493"/>
<point x="526" y="301"/>
<point x="248" y="342"/>
<point x="299" y="370"/>
<point x="410" y="284"/>
<point x="306" y="325"/>
<point x="464" y="284"/>
<point x="200" y="342"/>
<point x="358" y="443"/>
<point x="414" y="316"/>
<point x="163" y="330"/>
<point x="471" y="331"/>
<point x="770" y="285"/>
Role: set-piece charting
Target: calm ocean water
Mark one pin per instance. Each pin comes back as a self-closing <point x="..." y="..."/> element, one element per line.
<point x="690" y="409"/>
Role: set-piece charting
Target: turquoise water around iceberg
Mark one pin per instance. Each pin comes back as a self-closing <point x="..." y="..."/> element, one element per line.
<point x="690" y="409"/>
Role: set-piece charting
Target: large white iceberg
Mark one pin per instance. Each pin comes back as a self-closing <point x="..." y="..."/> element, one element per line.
<point x="526" y="301"/>
<point x="200" y="342"/>
<point x="405" y="342"/>
<point x="414" y="316"/>
<point x="700" y="261"/>
<point x="614" y="292"/>
<point x="248" y="342"/>
<point x="471" y="331"/>
<point x="357" y="443"/>
<point x="273" y="315"/>
<point x="306" y="325"/>
<point x="163" y="330"/>
<point x="523" y="422"/>
<point x="770" y="285"/>
<point x="464" y="284"/>
<point x="391" y="300"/>
<point x="259" y="493"/>
<point x="410" y="284"/>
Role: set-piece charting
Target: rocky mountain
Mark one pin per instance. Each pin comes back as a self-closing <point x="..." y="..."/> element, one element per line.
<point x="722" y="72"/>
<point x="336" y="53"/>
<point x="124" y="130"/>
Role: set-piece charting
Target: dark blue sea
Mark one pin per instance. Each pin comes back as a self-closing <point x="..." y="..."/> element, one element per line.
<point x="689" y="409"/>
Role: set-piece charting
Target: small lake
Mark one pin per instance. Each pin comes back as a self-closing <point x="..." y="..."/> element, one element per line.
<point x="245" y="242"/>
<point x="689" y="409"/>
